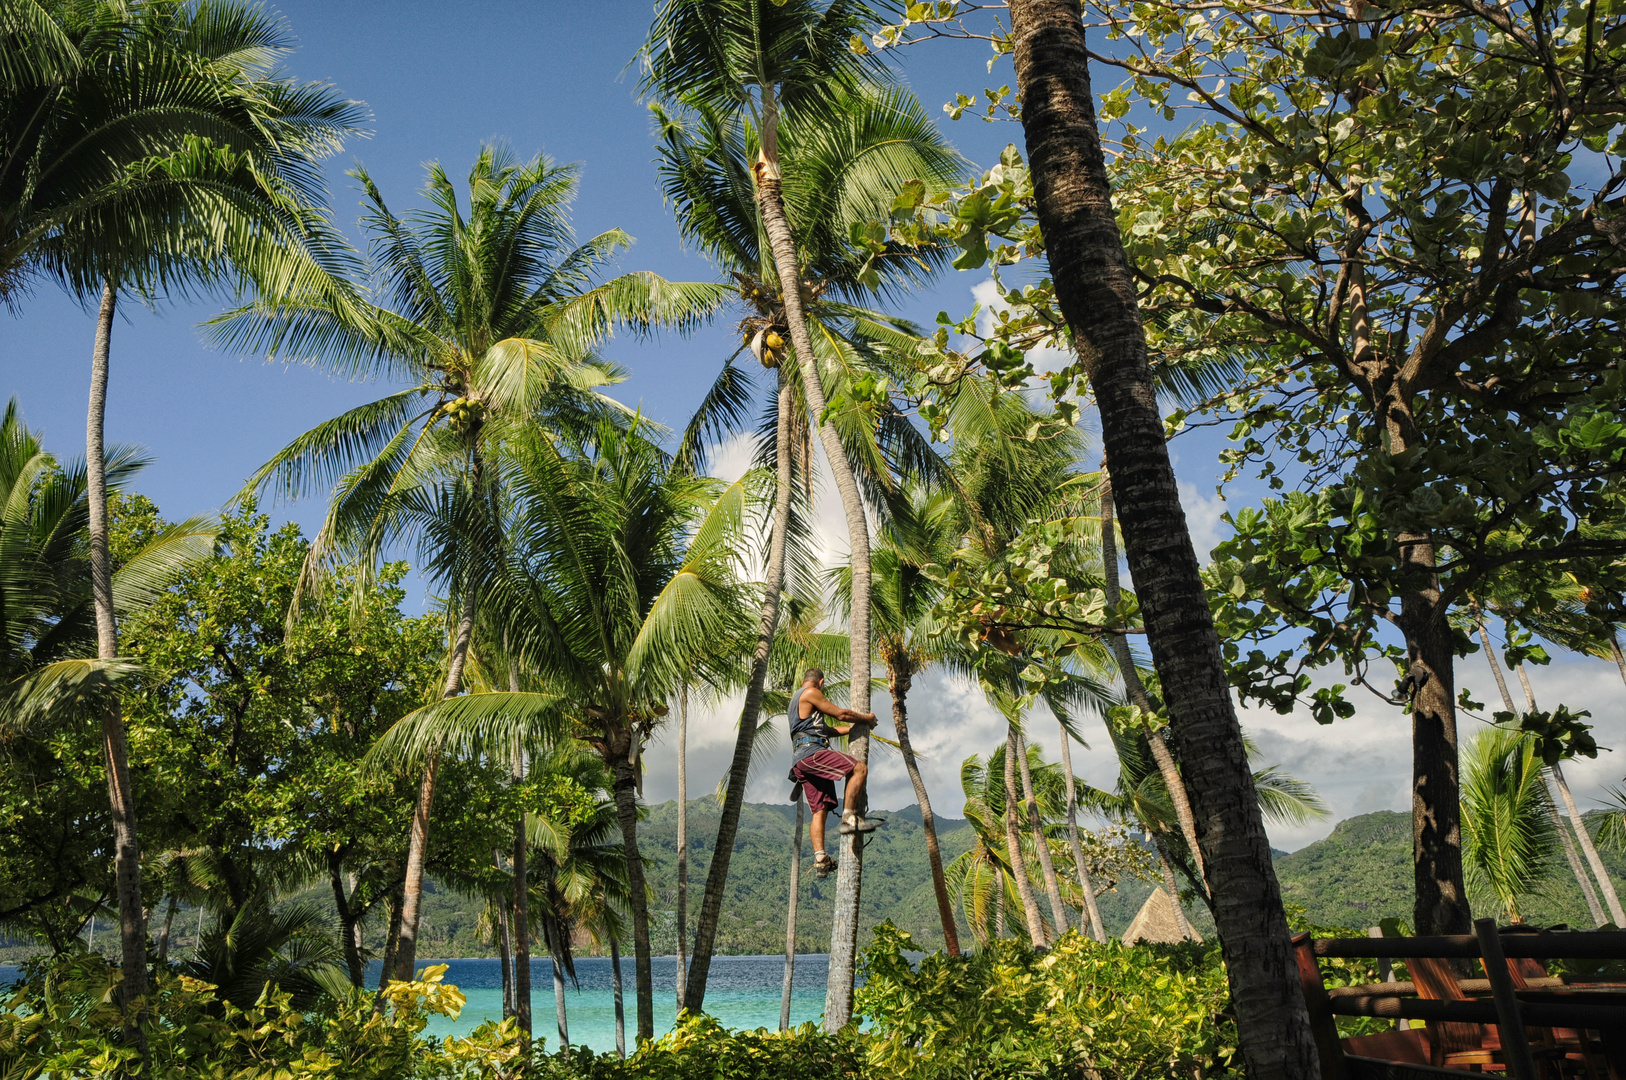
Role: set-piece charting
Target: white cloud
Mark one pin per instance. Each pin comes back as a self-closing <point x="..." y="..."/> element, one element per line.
<point x="1044" y="360"/>
<point x="1203" y="512"/>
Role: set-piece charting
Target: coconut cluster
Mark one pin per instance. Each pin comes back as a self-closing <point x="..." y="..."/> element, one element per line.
<point x="464" y="412"/>
<point x="767" y="345"/>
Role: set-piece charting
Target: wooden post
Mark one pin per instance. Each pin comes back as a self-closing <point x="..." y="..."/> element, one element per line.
<point x="1319" y="1006"/>
<point x="1386" y="971"/>
<point x="1515" y="1046"/>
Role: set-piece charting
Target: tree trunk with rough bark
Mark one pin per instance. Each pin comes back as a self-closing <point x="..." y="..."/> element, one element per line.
<point x="790" y="915"/>
<point x="1441" y="903"/>
<point x="1091" y="911"/>
<point x="1096" y="292"/>
<point x="711" y="904"/>
<point x="1620" y="656"/>
<point x="626" y="806"/>
<point x="115" y="747"/>
<point x="844" y="926"/>
<point x="1013" y="843"/>
<point x="392" y="940"/>
<point x="1047" y="866"/>
<point x="682" y="973"/>
<point x="406" y="956"/>
<point x="899" y="679"/>
<point x="1570" y="854"/>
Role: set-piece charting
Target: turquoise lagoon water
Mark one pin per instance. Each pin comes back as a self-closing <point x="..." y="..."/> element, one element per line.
<point x="742" y="992"/>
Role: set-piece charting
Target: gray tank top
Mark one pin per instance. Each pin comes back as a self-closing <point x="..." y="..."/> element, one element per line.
<point x="806" y="733"/>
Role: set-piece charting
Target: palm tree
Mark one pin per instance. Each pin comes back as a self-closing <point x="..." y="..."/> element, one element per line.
<point x="761" y="59"/>
<point x="1096" y="292"/>
<point x="622" y="584"/>
<point x="1507" y="831"/>
<point x="150" y="146"/>
<point x="490" y="319"/>
<point x="852" y="161"/>
<point x="1570" y="855"/>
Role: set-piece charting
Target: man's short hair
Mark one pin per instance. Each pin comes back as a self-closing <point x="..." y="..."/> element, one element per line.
<point x="813" y="674"/>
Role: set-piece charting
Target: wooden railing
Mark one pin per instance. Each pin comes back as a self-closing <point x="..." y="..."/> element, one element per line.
<point x="1509" y="1008"/>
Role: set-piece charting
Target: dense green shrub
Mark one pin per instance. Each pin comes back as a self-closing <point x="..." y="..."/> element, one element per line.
<point x="62" y="1020"/>
<point x="1081" y="1009"/>
<point x="700" y="1048"/>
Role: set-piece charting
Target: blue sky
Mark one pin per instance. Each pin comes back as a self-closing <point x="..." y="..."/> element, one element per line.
<point x="441" y="80"/>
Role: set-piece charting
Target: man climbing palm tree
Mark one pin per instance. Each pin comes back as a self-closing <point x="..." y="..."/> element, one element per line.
<point x="817" y="767"/>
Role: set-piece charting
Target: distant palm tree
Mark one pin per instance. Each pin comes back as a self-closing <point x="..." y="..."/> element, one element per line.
<point x="1507" y="828"/>
<point x="623" y="584"/>
<point x="490" y="317"/>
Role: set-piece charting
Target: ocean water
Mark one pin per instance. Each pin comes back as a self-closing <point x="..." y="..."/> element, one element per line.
<point x="741" y="992"/>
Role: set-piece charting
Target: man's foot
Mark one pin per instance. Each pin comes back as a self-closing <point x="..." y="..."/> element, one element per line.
<point x="852" y="823"/>
<point x="823" y="865"/>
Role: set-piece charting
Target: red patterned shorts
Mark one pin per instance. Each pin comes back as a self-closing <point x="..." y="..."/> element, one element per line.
<point x="817" y="774"/>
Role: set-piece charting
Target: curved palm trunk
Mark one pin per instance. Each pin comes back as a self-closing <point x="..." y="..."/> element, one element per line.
<point x="838" y="1003"/>
<point x="711" y="904"/>
<point x="1136" y="689"/>
<point x="682" y="846"/>
<point x="406" y="950"/>
<point x="1620" y="656"/>
<point x="999" y="903"/>
<point x="899" y="679"/>
<point x="790" y="916"/>
<point x="615" y="989"/>
<point x="1080" y="864"/>
<point x="559" y="1014"/>
<point x="1096" y="292"/>
<point x="626" y="807"/>
<point x="505" y="953"/>
<point x="115" y="748"/>
<point x="1058" y="913"/>
<point x="169" y="922"/>
<point x="1601" y="872"/>
<point x="1570" y="854"/>
<point x="1013" y="843"/>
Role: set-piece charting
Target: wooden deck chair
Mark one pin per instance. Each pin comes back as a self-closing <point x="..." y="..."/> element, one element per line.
<point x="1553" y="1043"/>
<point x="1453" y="1044"/>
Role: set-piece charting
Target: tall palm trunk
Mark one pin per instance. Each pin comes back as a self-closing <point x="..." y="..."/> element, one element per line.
<point x="790" y="916"/>
<point x="999" y="903"/>
<point x="1091" y="911"/>
<point x="682" y="973"/>
<point x="406" y="951"/>
<point x="115" y="748"/>
<point x="522" y="897"/>
<point x="1013" y="842"/>
<point x="1135" y="688"/>
<point x="899" y="677"/>
<point x="1619" y="654"/>
<point x="1096" y="293"/>
<point x="504" y="947"/>
<point x="615" y="991"/>
<point x="838" y="1003"/>
<point x="626" y="807"/>
<point x="711" y="904"/>
<point x="1058" y="913"/>
<point x="392" y="942"/>
<point x="521" y="910"/>
<point x="1601" y="872"/>
<point x="1570" y="855"/>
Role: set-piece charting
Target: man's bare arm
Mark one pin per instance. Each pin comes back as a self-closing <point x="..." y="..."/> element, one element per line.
<point x="844" y="718"/>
